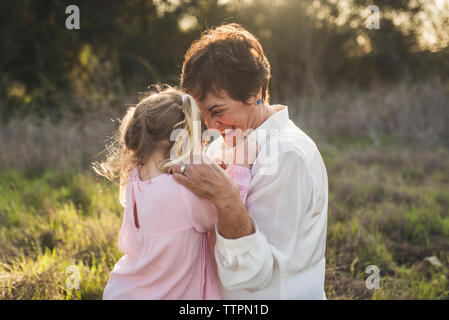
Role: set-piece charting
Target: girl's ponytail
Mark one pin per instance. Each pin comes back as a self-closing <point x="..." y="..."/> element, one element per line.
<point x="161" y="121"/>
<point x="186" y="135"/>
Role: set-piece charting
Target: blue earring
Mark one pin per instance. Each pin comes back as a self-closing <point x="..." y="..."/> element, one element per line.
<point x="259" y="101"/>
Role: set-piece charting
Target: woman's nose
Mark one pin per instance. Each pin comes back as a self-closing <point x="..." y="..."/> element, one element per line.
<point x="214" y="125"/>
<point x="211" y="124"/>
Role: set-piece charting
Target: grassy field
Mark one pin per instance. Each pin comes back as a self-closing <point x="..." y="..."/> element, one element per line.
<point x="388" y="207"/>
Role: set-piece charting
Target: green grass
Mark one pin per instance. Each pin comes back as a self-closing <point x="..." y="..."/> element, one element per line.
<point x="387" y="207"/>
<point x="52" y="221"/>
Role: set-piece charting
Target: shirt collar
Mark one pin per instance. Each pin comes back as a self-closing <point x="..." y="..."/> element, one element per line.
<point x="267" y="130"/>
<point x="277" y="119"/>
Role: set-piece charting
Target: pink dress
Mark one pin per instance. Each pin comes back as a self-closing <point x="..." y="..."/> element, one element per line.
<point x="167" y="253"/>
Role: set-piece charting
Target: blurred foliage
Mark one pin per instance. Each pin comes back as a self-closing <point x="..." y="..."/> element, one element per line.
<point x="123" y="46"/>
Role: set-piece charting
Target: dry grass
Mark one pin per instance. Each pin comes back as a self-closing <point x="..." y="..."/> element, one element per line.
<point x="410" y="114"/>
<point x="33" y="144"/>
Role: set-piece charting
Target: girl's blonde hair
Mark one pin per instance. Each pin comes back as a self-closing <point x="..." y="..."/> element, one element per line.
<point x="151" y="126"/>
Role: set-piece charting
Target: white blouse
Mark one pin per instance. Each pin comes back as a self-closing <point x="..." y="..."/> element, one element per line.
<point x="287" y="203"/>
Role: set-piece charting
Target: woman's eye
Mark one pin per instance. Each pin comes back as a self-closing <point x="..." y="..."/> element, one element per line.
<point x="217" y="112"/>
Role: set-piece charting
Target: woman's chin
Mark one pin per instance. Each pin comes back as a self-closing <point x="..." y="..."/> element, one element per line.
<point x="228" y="130"/>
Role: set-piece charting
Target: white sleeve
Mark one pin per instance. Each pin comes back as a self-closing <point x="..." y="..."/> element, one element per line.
<point x="254" y="262"/>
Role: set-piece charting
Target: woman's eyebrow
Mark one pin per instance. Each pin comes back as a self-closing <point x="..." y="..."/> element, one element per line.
<point x="215" y="106"/>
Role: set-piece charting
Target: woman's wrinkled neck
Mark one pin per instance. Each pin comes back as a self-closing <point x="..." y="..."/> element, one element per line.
<point x="260" y="115"/>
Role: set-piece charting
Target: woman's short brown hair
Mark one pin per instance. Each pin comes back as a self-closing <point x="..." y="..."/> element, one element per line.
<point x="226" y="58"/>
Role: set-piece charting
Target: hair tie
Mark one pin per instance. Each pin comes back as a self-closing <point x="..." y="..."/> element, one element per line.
<point x="185" y="96"/>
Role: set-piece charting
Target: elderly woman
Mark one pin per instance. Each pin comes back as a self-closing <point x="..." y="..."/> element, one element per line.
<point x="273" y="247"/>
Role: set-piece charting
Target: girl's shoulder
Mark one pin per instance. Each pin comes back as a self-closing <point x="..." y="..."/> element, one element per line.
<point x="202" y="212"/>
<point x="134" y="176"/>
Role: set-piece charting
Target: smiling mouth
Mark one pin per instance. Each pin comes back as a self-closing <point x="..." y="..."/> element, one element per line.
<point x="223" y="131"/>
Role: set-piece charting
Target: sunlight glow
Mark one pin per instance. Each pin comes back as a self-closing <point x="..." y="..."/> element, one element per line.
<point x="187" y="23"/>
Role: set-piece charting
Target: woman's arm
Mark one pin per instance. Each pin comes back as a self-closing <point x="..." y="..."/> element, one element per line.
<point x="246" y="258"/>
<point x="253" y="262"/>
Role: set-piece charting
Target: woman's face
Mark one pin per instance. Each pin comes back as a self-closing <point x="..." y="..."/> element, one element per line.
<point x="222" y="112"/>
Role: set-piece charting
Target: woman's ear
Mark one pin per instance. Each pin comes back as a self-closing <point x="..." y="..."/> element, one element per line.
<point x="258" y="95"/>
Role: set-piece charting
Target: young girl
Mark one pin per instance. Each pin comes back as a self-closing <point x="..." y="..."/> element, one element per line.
<point x="164" y="232"/>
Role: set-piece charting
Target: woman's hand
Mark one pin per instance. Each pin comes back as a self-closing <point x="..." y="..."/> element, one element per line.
<point x="207" y="181"/>
<point x="211" y="182"/>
